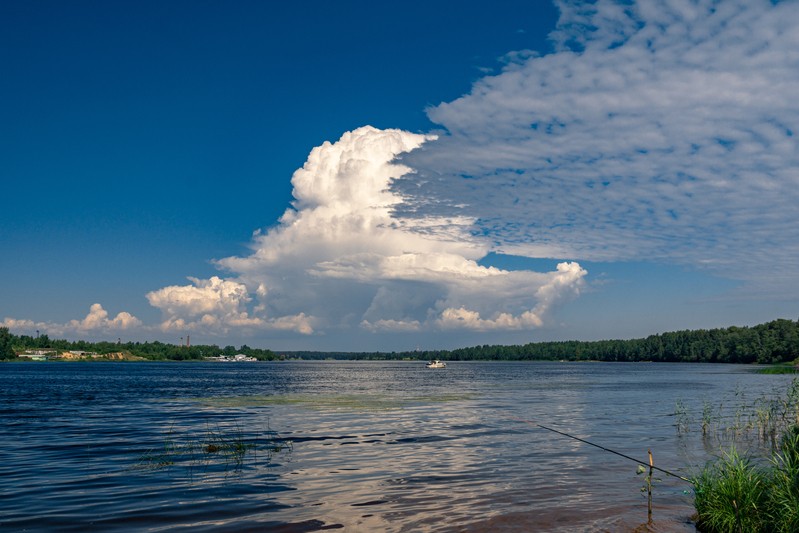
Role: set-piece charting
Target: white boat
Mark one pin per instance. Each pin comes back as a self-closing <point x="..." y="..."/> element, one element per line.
<point x="238" y="358"/>
<point x="435" y="363"/>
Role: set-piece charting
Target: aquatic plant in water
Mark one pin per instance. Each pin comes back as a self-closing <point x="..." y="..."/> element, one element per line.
<point x="743" y="421"/>
<point x="736" y="494"/>
<point x="225" y="448"/>
<point x="682" y="416"/>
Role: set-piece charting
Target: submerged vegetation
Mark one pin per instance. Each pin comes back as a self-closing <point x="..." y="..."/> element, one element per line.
<point x="360" y="402"/>
<point x="216" y="450"/>
<point x="783" y="368"/>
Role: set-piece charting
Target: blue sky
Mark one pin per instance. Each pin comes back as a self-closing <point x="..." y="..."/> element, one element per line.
<point x="530" y="170"/>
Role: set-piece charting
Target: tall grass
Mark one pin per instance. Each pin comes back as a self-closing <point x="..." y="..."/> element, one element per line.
<point x="784" y="501"/>
<point x="736" y="494"/>
<point x="731" y="495"/>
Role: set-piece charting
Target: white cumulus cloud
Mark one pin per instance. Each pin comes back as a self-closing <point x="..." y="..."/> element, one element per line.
<point x="339" y="258"/>
<point x="215" y="305"/>
<point x="97" y="321"/>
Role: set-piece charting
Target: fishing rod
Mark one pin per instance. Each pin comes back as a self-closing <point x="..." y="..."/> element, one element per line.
<point x="604" y="449"/>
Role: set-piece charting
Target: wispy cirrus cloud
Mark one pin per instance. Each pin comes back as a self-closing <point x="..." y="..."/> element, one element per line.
<point x="662" y="131"/>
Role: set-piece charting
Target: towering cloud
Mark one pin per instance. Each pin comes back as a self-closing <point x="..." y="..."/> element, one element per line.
<point x="339" y="258"/>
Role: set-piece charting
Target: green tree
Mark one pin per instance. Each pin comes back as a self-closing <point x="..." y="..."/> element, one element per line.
<point x="6" y="351"/>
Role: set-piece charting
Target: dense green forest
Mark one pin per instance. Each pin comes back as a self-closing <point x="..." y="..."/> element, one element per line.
<point x="769" y="343"/>
<point x="773" y="342"/>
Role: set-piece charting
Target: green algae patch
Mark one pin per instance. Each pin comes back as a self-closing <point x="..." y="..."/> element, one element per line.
<point x="443" y="398"/>
<point x="353" y="402"/>
<point x="315" y="401"/>
<point x="791" y="368"/>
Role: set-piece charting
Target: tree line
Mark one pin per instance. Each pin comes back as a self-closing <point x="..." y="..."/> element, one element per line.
<point x="11" y="345"/>
<point x="770" y="343"/>
<point x="773" y="342"/>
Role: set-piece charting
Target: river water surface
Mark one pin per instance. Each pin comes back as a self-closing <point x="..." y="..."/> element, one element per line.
<point x="354" y="446"/>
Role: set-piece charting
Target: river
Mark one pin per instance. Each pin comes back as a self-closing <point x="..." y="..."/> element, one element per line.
<point x="357" y="446"/>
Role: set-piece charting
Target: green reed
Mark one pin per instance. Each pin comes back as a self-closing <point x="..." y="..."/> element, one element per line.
<point x="743" y="420"/>
<point x="784" y="501"/>
<point x="734" y="494"/>
<point x="737" y="493"/>
<point x="707" y="416"/>
<point x="225" y="448"/>
<point x="730" y="495"/>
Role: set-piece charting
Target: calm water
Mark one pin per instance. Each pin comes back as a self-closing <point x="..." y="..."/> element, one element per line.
<point x="375" y="446"/>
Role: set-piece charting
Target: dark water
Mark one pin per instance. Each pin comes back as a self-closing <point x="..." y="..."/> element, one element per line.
<point x="375" y="446"/>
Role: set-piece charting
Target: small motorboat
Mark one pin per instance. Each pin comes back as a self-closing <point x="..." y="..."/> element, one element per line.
<point x="435" y="363"/>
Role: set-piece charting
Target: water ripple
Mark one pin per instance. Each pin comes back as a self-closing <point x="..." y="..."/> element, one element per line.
<point x="376" y="446"/>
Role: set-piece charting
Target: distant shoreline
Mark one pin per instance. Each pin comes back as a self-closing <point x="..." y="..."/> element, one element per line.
<point x="771" y="343"/>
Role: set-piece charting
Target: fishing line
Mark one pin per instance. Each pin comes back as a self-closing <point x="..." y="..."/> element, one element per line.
<point x="602" y="448"/>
